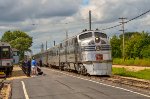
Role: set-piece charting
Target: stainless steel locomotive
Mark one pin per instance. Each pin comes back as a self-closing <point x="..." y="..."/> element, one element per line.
<point x="6" y="59"/>
<point x="88" y="53"/>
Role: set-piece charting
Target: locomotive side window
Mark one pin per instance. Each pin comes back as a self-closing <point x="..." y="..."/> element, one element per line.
<point x="5" y="53"/>
<point x="102" y="35"/>
<point x="85" y="35"/>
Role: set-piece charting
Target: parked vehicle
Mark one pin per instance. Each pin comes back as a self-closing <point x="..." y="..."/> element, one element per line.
<point x="6" y="58"/>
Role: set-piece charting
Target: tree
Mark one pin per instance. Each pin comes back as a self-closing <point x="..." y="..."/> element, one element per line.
<point x="130" y="45"/>
<point x="19" y="40"/>
<point x="145" y="52"/>
<point x="137" y="45"/>
<point x="115" y="44"/>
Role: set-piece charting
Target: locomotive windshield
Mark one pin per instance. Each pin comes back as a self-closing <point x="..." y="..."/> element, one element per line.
<point x="5" y="53"/>
<point x="99" y="34"/>
<point x="85" y="35"/>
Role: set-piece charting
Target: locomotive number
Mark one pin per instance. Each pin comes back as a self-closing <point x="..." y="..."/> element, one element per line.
<point x="99" y="57"/>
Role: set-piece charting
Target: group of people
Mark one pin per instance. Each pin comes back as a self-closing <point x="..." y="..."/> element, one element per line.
<point x="31" y="66"/>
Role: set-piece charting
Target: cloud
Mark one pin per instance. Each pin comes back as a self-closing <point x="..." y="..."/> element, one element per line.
<point x="106" y="11"/>
<point x="20" y="10"/>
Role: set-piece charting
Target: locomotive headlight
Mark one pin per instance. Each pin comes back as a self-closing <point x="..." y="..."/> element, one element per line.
<point x="97" y="39"/>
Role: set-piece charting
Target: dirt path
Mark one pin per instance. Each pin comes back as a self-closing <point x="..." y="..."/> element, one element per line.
<point x="132" y="68"/>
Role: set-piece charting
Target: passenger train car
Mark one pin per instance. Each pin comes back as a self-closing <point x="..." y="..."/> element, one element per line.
<point x="6" y="59"/>
<point x="87" y="53"/>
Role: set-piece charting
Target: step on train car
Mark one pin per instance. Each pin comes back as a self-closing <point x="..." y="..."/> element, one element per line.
<point x="6" y="59"/>
<point x="87" y="53"/>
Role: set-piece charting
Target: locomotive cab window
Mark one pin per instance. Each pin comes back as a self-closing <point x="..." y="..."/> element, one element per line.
<point x="5" y="53"/>
<point x="85" y="35"/>
<point x="99" y="34"/>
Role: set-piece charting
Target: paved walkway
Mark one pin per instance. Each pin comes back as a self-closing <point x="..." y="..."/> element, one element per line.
<point x="17" y="73"/>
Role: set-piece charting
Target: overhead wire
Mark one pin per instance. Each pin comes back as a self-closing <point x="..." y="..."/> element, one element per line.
<point x="138" y="16"/>
<point x="126" y="21"/>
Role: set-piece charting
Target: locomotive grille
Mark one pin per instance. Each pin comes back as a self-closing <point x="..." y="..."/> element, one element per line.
<point x="88" y="48"/>
<point x="98" y="48"/>
<point x="105" y="47"/>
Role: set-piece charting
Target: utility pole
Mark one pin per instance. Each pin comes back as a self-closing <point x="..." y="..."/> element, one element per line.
<point x="123" y="22"/>
<point x="46" y="55"/>
<point x="66" y="44"/>
<point x="46" y="45"/>
<point x="66" y="34"/>
<point x="42" y="48"/>
<point x="90" y="20"/>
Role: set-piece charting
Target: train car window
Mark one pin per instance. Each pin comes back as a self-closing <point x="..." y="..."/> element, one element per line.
<point x="5" y="53"/>
<point x="99" y="34"/>
<point x="85" y="35"/>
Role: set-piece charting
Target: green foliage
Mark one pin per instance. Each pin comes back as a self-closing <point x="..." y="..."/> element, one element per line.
<point x="142" y="74"/>
<point x="146" y="51"/>
<point x="19" y="40"/>
<point x="115" y="44"/>
<point x="136" y="45"/>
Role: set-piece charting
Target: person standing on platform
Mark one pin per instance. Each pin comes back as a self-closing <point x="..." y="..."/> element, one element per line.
<point x="29" y="67"/>
<point x="34" y="66"/>
<point x="40" y="63"/>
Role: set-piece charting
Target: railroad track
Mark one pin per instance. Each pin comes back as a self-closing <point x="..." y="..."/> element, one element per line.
<point x="132" y="82"/>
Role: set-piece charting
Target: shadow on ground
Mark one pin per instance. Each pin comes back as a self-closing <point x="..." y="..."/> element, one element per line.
<point x="17" y="73"/>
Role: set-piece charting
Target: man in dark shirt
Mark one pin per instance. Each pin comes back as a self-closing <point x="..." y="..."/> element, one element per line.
<point x="29" y="67"/>
<point x="40" y="63"/>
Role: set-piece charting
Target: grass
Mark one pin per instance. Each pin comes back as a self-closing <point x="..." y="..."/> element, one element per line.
<point x="136" y="62"/>
<point x="142" y="74"/>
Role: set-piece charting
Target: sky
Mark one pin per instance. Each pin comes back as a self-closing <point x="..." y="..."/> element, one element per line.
<point x="49" y="20"/>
